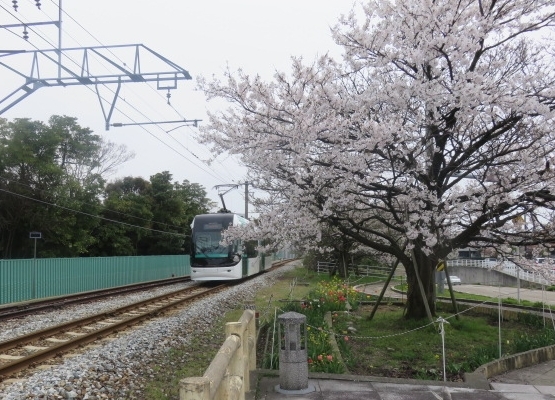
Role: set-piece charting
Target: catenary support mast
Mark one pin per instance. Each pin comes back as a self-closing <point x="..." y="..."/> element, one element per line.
<point x="98" y="65"/>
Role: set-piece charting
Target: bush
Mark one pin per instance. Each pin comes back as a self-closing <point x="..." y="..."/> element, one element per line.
<point x="328" y="296"/>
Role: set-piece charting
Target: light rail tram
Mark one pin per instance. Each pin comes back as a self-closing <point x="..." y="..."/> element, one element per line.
<point x="211" y="260"/>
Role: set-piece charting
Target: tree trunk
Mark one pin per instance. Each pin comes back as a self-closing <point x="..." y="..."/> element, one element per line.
<point x="343" y="266"/>
<point x="416" y="303"/>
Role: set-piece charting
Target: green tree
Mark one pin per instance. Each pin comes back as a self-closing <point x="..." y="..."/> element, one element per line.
<point x="127" y="217"/>
<point x="154" y="216"/>
<point x="50" y="181"/>
<point x="174" y="206"/>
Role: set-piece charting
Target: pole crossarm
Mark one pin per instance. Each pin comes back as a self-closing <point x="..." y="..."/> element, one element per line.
<point x="98" y="65"/>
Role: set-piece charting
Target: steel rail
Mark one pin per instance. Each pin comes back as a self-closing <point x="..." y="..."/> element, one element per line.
<point x="10" y="344"/>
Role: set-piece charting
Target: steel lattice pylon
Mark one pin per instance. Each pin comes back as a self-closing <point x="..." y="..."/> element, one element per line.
<point x="48" y="68"/>
<point x="96" y="66"/>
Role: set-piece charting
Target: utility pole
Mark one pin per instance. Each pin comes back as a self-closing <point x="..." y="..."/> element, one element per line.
<point x="235" y="186"/>
<point x="247" y="199"/>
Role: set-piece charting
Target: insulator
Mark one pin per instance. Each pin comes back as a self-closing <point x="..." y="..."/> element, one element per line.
<point x="15" y="4"/>
<point x="168" y="95"/>
<point x="25" y="34"/>
<point x="38" y="3"/>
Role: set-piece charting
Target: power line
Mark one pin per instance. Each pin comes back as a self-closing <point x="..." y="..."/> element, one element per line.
<point x="91" y="215"/>
<point x="26" y="26"/>
<point x="113" y="54"/>
<point x="214" y="174"/>
<point x="154" y="90"/>
<point x="93" y="205"/>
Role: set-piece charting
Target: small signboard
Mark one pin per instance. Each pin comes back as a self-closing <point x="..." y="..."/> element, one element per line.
<point x="35" y="235"/>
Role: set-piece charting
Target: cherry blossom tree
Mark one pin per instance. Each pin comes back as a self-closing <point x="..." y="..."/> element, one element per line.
<point x="434" y="132"/>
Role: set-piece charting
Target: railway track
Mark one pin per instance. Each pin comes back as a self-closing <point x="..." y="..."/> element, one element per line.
<point x="27" y="308"/>
<point x="40" y="346"/>
<point x="37" y="347"/>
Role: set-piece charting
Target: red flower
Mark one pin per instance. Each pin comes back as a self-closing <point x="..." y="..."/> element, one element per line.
<point x="329" y="357"/>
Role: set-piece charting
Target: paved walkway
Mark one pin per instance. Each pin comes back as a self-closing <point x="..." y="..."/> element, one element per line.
<point x="506" y="292"/>
<point x="340" y="387"/>
<point x="483" y="290"/>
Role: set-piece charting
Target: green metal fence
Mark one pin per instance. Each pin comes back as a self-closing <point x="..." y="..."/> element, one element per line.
<point x="22" y="280"/>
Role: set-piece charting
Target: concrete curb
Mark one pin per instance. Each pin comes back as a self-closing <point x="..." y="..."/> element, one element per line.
<point x="516" y="361"/>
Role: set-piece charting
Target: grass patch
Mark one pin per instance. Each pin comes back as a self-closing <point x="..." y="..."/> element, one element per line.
<point x="391" y="346"/>
<point x="180" y="362"/>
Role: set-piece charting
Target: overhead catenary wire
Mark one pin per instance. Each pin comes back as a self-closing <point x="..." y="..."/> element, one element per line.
<point x="113" y="54"/>
<point x="148" y="103"/>
<point x="212" y="173"/>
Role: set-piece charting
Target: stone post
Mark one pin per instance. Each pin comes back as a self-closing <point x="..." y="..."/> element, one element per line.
<point x="293" y="359"/>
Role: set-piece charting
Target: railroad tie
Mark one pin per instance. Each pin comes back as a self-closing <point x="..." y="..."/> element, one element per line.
<point x="54" y="340"/>
<point x="10" y="357"/>
<point x="34" y="348"/>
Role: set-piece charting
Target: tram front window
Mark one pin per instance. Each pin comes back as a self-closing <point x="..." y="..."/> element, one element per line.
<point x="207" y="244"/>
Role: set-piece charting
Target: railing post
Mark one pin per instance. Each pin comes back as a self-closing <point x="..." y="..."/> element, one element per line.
<point x="237" y="364"/>
<point x="194" y="388"/>
<point x="227" y="377"/>
<point x="225" y="381"/>
<point x="246" y="330"/>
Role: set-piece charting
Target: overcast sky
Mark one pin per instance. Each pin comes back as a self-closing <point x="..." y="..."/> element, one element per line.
<point x="203" y="37"/>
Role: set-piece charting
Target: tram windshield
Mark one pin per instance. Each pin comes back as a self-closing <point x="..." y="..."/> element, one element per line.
<point x="207" y="235"/>
<point x="207" y="244"/>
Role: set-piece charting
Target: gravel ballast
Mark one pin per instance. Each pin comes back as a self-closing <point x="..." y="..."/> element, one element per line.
<point x="118" y="368"/>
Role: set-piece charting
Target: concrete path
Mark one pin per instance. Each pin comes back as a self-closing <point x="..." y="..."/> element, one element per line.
<point x="341" y="388"/>
<point x="483" y="290"/>
<point x="506" y="292"/>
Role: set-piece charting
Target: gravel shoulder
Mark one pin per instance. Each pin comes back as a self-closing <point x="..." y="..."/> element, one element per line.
<point x="121" y="367"/>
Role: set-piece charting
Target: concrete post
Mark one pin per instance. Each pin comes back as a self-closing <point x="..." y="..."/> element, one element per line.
<point x="293" y="359"/>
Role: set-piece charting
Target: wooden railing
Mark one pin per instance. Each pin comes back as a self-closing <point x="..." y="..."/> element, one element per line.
<point x="358" y="270"/>
<point x="227" y="377"/>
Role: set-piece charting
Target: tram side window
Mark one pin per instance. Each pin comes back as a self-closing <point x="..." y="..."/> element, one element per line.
<point x="235" y="247"/>
<point x="251" y="248"/>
